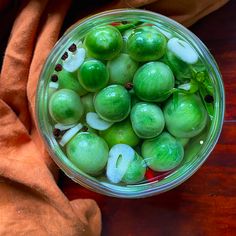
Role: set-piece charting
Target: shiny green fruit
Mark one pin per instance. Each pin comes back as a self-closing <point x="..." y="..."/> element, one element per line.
<point x="162" y="153"/>
<point x="153" y="81"/>
<point x="113" y="103"/>
<point x="185" y="115"/>
<point x="183" y="141"/>
<point x="103" y="42"/>
<point x="147" y="120"/>
<point x="88" y="152"/>
<point x="65" y="107"/>
<point x="121" y="132"/>
<point x="146" y="44"/>
<point x="69" y="80"/>
<point x="93" y="75"/>
<point x="122" y="69"/>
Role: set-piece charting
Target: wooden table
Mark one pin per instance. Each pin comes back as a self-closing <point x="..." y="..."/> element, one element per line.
<point x="206" y="203"/>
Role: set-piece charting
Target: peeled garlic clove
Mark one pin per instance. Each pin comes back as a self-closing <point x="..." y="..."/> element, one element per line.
<point x="185" y="86"/>
<point x="74" y="60"/>
<point x="69" y="134"/>
<point x="119" y="159"/>
<point x="53" y="85"/>
<point x="95" y="122"/>
<point x="182" y="50"/>
<point x="63" y="127"/>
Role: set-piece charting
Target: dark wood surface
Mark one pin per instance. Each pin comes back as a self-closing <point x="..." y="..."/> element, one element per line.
<point x="206" y="203"/>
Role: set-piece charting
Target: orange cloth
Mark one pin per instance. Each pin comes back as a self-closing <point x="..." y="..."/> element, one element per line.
<point x="30" y="201"/>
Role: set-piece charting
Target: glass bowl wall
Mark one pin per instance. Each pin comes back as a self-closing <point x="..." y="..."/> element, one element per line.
<point x="196" y="152"/>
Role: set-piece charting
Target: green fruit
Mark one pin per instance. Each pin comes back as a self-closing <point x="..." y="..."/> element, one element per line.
<point x="146" y="44"/>
<point x="65" y="107"/>
<point x="121" y="132"/>
<point x="153" y="81"/>
<point x="162" y="153"/>
<point x="183" y="141"/>
<point x="93" y="75"/>
<point x="113" y="103"/>
<point x="182" y="50"/>
<point x="87" y="102"/>
<point x="103" y="42"/>
<point x="135" y="171"/>
<point x="69" y="80"/>
<point x="122" y="69"/>
<point x="88" y="152"/>
<point x="147" y="120"/>
<point x="185" y="115"/>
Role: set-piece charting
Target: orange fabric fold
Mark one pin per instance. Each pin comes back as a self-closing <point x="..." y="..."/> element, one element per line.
<point x="30" y="200"/>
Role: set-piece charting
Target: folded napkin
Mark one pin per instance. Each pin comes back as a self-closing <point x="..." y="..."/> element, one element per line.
<point x="31" y="203"/>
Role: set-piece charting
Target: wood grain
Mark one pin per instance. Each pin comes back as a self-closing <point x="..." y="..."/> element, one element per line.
<point x="206" y="203"/>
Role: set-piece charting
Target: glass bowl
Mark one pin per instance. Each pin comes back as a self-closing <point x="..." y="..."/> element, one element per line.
<point x="196" y="152"/>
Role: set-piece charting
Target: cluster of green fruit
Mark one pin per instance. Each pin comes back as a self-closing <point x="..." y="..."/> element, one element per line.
<point x="127" y="98"/>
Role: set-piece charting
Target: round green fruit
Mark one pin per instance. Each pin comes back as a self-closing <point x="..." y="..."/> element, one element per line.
<point x="146" y="44"/>
<point x="113" y="103"/>
<point x="65" y="107"/>
<point x="93" y="75"/>
<point x="103" y="42"/>
<point x="122" y="69"/>
<point x="88" y="152"/>
<point x="185" y="115"/>
<point x="121" y="132"/>
<point x="87" y="101"/>
<point x="147" y="120"/>
<point x="162" y="153"/>
<point x="69" y="80"/>
<point x="153" y="81"/>
<point x="183" y="141"/>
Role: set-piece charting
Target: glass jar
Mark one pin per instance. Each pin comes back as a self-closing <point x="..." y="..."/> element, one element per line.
<point x="196" y="152"/>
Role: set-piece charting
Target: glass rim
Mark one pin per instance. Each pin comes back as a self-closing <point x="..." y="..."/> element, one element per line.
<point x="132" y="191"/>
